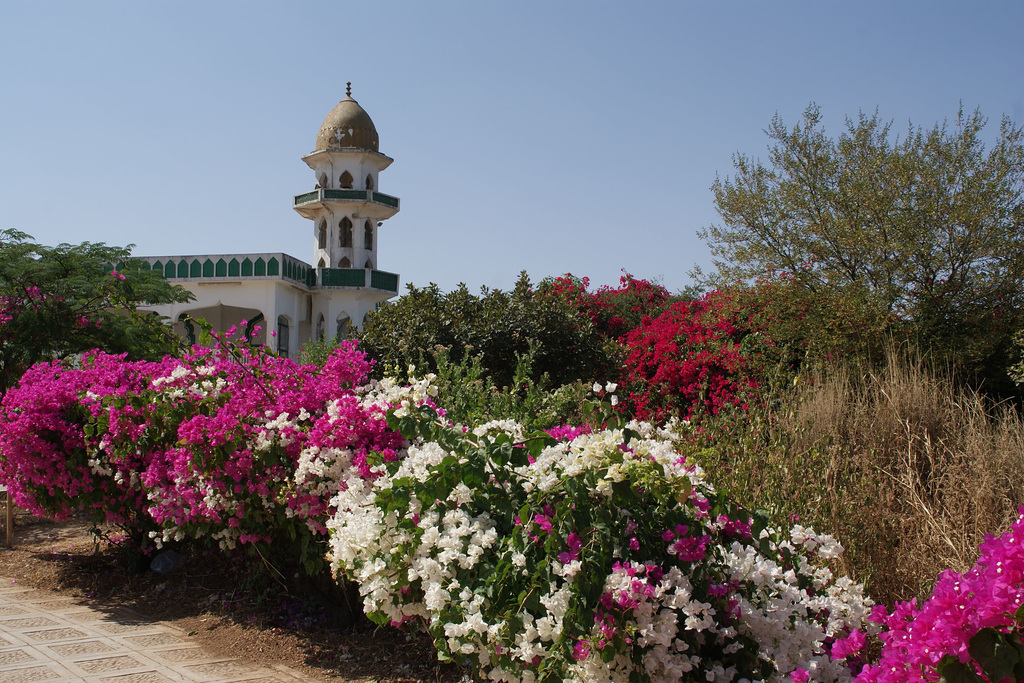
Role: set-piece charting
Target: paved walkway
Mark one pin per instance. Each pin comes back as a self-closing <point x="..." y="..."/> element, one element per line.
<point x="47" y="637"/>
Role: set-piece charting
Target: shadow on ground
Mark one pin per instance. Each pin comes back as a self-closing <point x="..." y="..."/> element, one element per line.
<point x="227" y="604"/>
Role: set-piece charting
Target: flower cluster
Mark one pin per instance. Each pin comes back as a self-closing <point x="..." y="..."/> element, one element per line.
<point x="614" y="311"/>
<point x="601" y="556"/>
<point x="687" y="360"/>
<point x="228" y="443"/>
<point x="920" y="642"/>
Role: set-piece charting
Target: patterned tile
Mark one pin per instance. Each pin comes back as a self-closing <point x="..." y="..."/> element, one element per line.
<point x="52" y="634"/>
<point x="56" y="604"/>
<point x="31" y="675"/>
<point x="154" y="640"/>
<point x="185" y="654"/>
<point x="227" y="668"/>
<point x="118" y="628"/>
<point x="80" y="647"/>
<point x="143" y="677"/>
<point x="8" y="657"/>
<point x="27" y="622"/>
<point x="104" y="664"/>
<point x="86" y="616"/>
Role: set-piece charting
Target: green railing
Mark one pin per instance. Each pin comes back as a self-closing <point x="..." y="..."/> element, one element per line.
<point x="386" y="281"/>
<point x="385" y="199"/>
<point x="342" y="277"/>
<point x="323" y="194"/>
<point x="307" y="197"/>
<point x="345" y="194"/>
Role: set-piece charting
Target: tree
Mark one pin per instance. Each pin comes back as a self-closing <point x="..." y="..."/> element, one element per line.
<point x="500" y="326"/>
<point x="926" y="230"/>
<point x="64" y="300"/>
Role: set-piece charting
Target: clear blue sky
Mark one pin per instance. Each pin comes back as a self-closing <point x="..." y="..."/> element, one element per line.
<point x="553" y="137"/>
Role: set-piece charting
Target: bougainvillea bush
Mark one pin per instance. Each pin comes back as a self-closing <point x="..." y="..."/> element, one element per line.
<point x="227" y="443"/>
<point x="601" y="556"/>
<point x="697" y="357"/>
<point x="47" y="460"/>
<point x="614" y="311"/>
<point x="968" y="630"/>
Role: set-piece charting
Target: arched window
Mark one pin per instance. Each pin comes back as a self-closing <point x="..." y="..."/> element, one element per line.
<point x="323" y="180"/>
<point x="346" y="180"/>
<point x="320" y="327"/>
<point x="369" y="181"/>
<point x="344" y="322"/>
<point x="368" y="264"/>
<point x="368" y="236"/>
<point x="346" y="232"/>
<point x="282" y="336"/>
<point x="321" y="236"/>
<point x="322" y="264"/>
<point x="345" y="263"/>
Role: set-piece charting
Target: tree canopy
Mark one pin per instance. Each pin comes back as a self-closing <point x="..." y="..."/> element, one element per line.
<point x="926" y="229"/>
<point x="63" y="300"/>
<point x="500" y="326"/>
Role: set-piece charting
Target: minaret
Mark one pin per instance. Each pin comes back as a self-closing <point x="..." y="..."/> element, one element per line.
<point x="346" y="207"/>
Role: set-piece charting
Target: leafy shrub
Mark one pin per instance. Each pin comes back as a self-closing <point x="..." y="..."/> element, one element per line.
<point x="65" y="300"/>
<point x="500" y="327"/>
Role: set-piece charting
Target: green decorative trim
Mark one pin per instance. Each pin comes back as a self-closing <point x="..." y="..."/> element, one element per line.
<point x="182" y="268"/>
<point x="386" y="281"/>
<point x="246" y="268"/>
<point x="260" y="268"/>
<point x="385" y="199"/>
<point x="345" y="194"/>
<point x="233" y="268"/>
<point x="272" y="267"/>
<point x="307" y="197"/>
<point x="207" y="268"/>
<point x="342" y="277"/>
<point x="221" y="269"/>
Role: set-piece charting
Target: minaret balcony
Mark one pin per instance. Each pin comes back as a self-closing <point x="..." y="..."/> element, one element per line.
<point x="357" y="278"/>
<point x="373" y="204"/>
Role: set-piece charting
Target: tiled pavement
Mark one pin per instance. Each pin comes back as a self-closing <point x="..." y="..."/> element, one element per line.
<point x="53" y="639"/>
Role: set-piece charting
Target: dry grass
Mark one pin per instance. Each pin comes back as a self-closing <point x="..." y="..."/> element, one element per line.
<point x="905" y="469"/>
<point x="918" y="471"/>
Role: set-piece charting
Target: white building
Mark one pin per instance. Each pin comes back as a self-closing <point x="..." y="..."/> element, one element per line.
<point x="275" y="291"/>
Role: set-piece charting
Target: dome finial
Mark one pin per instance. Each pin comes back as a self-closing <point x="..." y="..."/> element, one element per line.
<point x="348" y="89"/>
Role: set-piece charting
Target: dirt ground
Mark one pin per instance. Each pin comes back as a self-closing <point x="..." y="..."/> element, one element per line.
<point x="216" y="603"/>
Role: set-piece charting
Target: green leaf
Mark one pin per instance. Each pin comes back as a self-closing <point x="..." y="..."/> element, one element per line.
<point x="994" y="653"/>
<point x="951" y="670"/>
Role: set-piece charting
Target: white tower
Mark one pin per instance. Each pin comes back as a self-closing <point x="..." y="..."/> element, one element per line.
<point x="347" y="208"/>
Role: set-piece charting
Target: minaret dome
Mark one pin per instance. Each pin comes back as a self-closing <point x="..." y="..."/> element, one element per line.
<point x="347" y="126"/>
